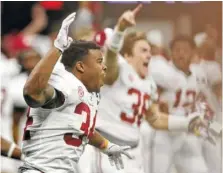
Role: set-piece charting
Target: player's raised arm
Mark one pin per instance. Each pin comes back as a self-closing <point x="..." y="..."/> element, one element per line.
<point x="126" y="20"/>
<point x="37" y="91"/>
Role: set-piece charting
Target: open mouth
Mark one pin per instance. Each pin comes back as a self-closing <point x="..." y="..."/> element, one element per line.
<point x="145" y="64"/>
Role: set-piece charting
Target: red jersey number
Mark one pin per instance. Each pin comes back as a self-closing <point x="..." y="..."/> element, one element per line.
<point x="188" y="104"/>
<point x="29" y="122"/>
<point x="81" y="109"/>
<point x="136" y="107"/>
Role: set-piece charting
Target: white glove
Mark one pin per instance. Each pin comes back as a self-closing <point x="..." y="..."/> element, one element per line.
<point x="114" y="154"/>
<point x="63" y="41"/>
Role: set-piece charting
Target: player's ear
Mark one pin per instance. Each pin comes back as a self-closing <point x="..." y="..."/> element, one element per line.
<point x="80" y="66"/>
<point x="128" y="57"/>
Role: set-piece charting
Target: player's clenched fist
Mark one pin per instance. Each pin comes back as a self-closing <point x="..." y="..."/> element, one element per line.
<point x="127" y="19"/>
<point x="63" y="41"/>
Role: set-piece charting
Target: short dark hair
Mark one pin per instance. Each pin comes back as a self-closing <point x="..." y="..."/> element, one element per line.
<point x="182" y="38"/>
<point x="77" y="50"/>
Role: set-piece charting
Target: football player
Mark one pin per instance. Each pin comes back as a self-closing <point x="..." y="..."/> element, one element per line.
<point x="62" y="116"/>
<point x="130" y="95"/>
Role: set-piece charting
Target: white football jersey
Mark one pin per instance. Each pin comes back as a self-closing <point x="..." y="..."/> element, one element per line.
<point x="212" y="72"/>
<point x="16" y="86"/>
<point x="8" y="69"/>
<point x="123" y="104"/>
<point x="54" y="139"/>
<point x="179" y="91"/>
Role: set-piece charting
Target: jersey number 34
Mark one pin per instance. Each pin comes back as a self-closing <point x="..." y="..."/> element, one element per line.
<point x="80" y="110"/>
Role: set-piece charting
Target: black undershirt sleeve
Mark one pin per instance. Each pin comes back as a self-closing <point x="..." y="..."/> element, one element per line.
<point x="55" y="102"/>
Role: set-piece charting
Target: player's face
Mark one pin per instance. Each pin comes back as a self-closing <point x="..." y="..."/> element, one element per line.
<point x="182" y="53"/>
<point x="30" y="60"/>
<point x="94" y="71"/>
<point x="141" y="54"/>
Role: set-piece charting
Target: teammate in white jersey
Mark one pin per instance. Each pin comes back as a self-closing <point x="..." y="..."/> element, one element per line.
<point x="28" y="60"/>
<point x="213" y="72"/>
<point x="8" y="69"/>
<point x="180" y="86"/>
<point x="212" y="98"/>
<point x="62" y="116"/>
<point x="130" y="94"/>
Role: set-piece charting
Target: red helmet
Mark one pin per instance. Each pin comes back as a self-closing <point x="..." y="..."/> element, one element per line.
<point x="103" y="36"/>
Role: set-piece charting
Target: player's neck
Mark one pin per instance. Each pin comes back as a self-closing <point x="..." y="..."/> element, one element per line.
<point x="81" y="79"/>
<point x="84" y="81"/>
<point x="186" y="71"/>
<point x="78" y="76"/>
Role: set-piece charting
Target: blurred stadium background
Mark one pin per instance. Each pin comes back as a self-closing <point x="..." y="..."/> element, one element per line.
<point x="33" y="24"/>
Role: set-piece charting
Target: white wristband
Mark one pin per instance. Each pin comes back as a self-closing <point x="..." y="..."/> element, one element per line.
<point x="116" y="42"/>
<point x="11" y="149"/>
<point x="22" y="157"/>
<point x="54" y="94"/>
<point x="177" y="123"/>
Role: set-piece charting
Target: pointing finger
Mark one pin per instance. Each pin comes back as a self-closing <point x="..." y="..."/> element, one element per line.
<point x="137" y="9"/>
<point x="71" y="16"/>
